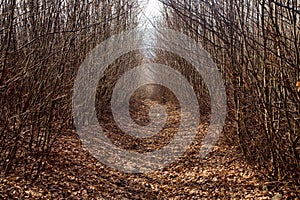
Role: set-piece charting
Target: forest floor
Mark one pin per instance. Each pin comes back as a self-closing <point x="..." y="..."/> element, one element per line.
<point x="71" y="172"/>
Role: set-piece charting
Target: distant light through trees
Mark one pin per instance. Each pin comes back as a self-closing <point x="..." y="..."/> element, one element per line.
<point x="151" y="11"/>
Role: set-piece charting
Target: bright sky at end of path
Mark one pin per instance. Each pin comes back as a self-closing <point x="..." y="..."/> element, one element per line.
<point x="152" y="8"/>
<point x="151" y="12"/>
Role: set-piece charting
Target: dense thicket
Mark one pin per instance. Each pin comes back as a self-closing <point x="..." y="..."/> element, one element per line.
<point x="42" y="44"/>
<point x="256" y="44"/>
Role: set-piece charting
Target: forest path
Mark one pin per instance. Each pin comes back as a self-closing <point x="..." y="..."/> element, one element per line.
<point x="72" y="173"/>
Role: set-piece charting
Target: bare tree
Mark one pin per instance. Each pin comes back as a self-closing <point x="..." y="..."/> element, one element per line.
<point x="256" y="47"/>
<point x="42" y="45"/>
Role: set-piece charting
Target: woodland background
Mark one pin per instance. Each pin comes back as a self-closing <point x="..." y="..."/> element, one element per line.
<point x="255" y="43"/>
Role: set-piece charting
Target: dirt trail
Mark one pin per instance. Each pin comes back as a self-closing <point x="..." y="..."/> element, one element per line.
<point x="72" y="173"/>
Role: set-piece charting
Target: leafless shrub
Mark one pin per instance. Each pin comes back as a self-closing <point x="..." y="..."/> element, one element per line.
<point x="256" y="46"/>
<point x="42" y="44"/>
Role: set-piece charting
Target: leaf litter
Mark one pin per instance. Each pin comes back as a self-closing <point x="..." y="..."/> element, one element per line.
<point x="71" y="172"/>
